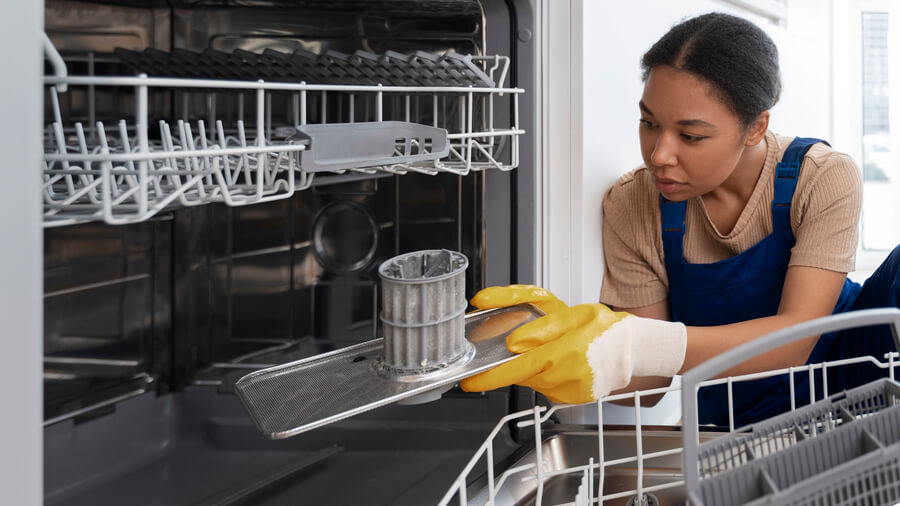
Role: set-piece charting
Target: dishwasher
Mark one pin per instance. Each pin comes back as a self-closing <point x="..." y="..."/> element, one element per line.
<point x="221" y="180"/>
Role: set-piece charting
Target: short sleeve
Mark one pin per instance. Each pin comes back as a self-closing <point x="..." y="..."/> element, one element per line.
<point x="629" y="279"/>
<point x="826" y="213"/>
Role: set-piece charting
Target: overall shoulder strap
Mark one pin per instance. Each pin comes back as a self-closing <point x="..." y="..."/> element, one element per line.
<point x="786" y="174"/>
<point x="672" y="229"/>
<point x="788" y="169"/>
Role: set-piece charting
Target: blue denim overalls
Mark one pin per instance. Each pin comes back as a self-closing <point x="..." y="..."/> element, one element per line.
<point x="744" y="287"/>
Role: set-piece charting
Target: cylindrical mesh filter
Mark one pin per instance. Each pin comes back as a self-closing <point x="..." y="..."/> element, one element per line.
<point x="424" y="304"/>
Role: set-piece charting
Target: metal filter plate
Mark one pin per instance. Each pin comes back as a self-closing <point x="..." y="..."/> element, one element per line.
<point x="292" y="398"/>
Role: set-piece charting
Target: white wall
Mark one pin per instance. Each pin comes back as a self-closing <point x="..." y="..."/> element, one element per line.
<point x="591" y="95"/>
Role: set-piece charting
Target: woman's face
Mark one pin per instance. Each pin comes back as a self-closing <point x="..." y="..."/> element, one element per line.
<point x="690" y="140"/>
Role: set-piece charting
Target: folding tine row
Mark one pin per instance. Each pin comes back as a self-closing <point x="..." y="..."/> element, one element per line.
<point x="124" y="177"/>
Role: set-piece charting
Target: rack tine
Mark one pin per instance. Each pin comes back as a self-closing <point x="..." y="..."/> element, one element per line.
<point x="191" y="166"/>
<point x="242" y="139"/>
<point x="226" y="170"/>
<point x="104" y="147"/>
<point x="61" y="149"/>
<point x="201" y="134"/>
<point x="86" y="177"/>
<point x="126" y="148"/>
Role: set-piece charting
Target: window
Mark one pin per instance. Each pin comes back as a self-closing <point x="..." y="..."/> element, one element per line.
<point x="866" y="89"/>
<point x="880" y="172"/>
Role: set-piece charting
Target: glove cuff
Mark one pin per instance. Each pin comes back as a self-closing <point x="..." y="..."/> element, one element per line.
<point x="657" y="346"/>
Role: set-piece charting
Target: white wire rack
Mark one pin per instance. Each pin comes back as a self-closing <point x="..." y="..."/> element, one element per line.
<point x="591" y="474"/>
<point x="132" y="170"/>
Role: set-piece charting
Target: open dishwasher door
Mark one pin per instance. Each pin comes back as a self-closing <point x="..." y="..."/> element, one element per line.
<point x="843" y="446"/>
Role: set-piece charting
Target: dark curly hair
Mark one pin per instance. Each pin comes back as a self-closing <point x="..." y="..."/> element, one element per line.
<point x="733" y="54"/>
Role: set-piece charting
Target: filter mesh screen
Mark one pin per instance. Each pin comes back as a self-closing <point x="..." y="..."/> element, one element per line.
<point x="292" y="398"/>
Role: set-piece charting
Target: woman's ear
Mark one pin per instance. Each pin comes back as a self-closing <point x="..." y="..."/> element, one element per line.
<point x="757" y="129"/>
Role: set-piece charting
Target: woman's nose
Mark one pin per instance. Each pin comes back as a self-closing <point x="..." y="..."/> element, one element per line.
<point x="664" y="151"/>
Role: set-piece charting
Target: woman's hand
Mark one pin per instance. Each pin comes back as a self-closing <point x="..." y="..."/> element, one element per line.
<point x="579" y="354"/>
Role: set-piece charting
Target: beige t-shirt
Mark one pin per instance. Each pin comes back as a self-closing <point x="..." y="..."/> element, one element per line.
<point x="824" y="218"/>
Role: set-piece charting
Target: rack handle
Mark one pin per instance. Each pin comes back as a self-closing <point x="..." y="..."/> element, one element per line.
<point x="59" y="66"/>
<point x="734" y="356"/>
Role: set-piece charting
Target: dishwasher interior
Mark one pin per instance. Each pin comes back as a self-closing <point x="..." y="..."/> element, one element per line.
<point x="185" y="247"/>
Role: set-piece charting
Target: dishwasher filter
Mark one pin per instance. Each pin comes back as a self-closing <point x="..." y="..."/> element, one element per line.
<point x="429" y="344"/>
<point x="424" y="299"/>
<point x="292" y="398"/>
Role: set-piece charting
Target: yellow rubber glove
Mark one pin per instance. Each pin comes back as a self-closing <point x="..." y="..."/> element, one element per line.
<point x="580" y="354"/>
<point x="505" y="296"/>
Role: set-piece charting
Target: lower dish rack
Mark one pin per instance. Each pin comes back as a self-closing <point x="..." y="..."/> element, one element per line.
<point x="841" y="450"/>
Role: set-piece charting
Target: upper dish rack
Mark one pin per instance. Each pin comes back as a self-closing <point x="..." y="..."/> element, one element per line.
<point x="247" y="141"/>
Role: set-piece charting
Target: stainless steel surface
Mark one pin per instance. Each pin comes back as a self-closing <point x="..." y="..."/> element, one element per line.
<point x="86" y="26"/>
<point x="207" y="285"/>
<point x="345" y="237"/>
<point x="190" y="447"/>
<point x="148" y="381"/>
<point x="424" y="298"/>
<point x="106" y="311"/>
<point x="318" y="26"/>
<point x="572" y="446"/>
<point x="201" y="286"/>
<point x="296" y="397"/>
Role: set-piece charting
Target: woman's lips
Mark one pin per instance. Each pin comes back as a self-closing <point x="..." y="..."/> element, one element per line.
<point x="668" y="186"/>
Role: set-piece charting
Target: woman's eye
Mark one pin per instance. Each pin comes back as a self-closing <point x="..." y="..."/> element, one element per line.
<point x="646" y="123"/>
<point x="692" y="138"/>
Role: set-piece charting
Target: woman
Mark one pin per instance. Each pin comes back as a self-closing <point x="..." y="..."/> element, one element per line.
<point x="727" y="232"/>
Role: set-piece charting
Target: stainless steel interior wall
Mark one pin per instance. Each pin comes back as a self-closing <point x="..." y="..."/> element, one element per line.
<point x="107" y="311"/>
<point x="208" y="284"/>
<point x="188" y="293"/>
<point x="195" y="298"/>
<point x="306" y="268"/>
